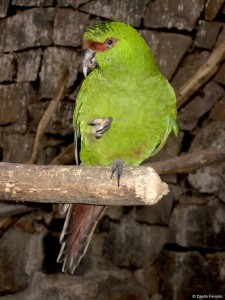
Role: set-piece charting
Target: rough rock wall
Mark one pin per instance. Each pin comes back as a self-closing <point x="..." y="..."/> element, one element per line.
<point x="172" y="250"/>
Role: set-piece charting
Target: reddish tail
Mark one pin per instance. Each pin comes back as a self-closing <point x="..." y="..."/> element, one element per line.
<point x="79" y="226"/>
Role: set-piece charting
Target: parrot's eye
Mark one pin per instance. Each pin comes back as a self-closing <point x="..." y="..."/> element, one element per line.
<point x="110" y="42"/>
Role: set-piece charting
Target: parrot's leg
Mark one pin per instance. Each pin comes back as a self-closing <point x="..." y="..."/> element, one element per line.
<point x="100" y="126"/>
<point x="117" y="167"/>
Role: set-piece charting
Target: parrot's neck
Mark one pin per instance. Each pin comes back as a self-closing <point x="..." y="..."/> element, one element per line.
<point x="132" y="73"/>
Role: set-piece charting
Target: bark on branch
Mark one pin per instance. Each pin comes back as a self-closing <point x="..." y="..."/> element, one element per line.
<point x="72" y="184"/>
<point x="189" y="162"/>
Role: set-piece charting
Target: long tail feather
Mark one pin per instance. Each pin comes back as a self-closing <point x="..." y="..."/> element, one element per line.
<point x="79" y="226"/>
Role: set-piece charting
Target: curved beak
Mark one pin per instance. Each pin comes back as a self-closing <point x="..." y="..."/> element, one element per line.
<point x="89" y="61"/>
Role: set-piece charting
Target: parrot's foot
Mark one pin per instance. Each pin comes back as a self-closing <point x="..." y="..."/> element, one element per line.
<point x="117" y="167"/>
<point x="100" y="126"/>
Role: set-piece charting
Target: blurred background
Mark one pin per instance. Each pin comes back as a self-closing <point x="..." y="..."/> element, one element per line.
<point x="172" y="250"/>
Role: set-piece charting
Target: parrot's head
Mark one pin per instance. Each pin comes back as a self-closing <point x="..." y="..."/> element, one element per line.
<point x="114" y="46"/>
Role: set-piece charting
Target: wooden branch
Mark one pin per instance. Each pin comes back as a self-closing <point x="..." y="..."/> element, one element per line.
<point x="208" y="69"/>
<point x="12" y="209"/>
<point x="188" y="163"/>
<point x="72" y="184"/>
<point x="47" y="116"/>
<point x="92" y="185"/>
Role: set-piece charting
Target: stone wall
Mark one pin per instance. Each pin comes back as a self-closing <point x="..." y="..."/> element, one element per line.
<point x="172" y="250"/>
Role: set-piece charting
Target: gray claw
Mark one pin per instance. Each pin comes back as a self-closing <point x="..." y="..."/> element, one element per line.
<point x="100" y="126"/>
<point x="117" y="167"/>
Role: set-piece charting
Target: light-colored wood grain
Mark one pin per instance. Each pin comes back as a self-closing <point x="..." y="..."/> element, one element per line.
<point x="72" y="184"/>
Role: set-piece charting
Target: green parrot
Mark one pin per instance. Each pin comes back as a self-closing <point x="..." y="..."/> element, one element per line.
<point x="124" y="113"/>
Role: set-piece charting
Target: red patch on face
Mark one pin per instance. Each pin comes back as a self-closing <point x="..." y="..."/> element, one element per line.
<point x="94" y="46"/>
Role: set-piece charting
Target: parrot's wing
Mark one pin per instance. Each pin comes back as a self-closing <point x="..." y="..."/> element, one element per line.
<point x="79" y="226"/>
<point x="81" y="219"/>
<point x="172" y="125"/>
<point x="76" y="126"/>
<point x="76" y="138"/>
